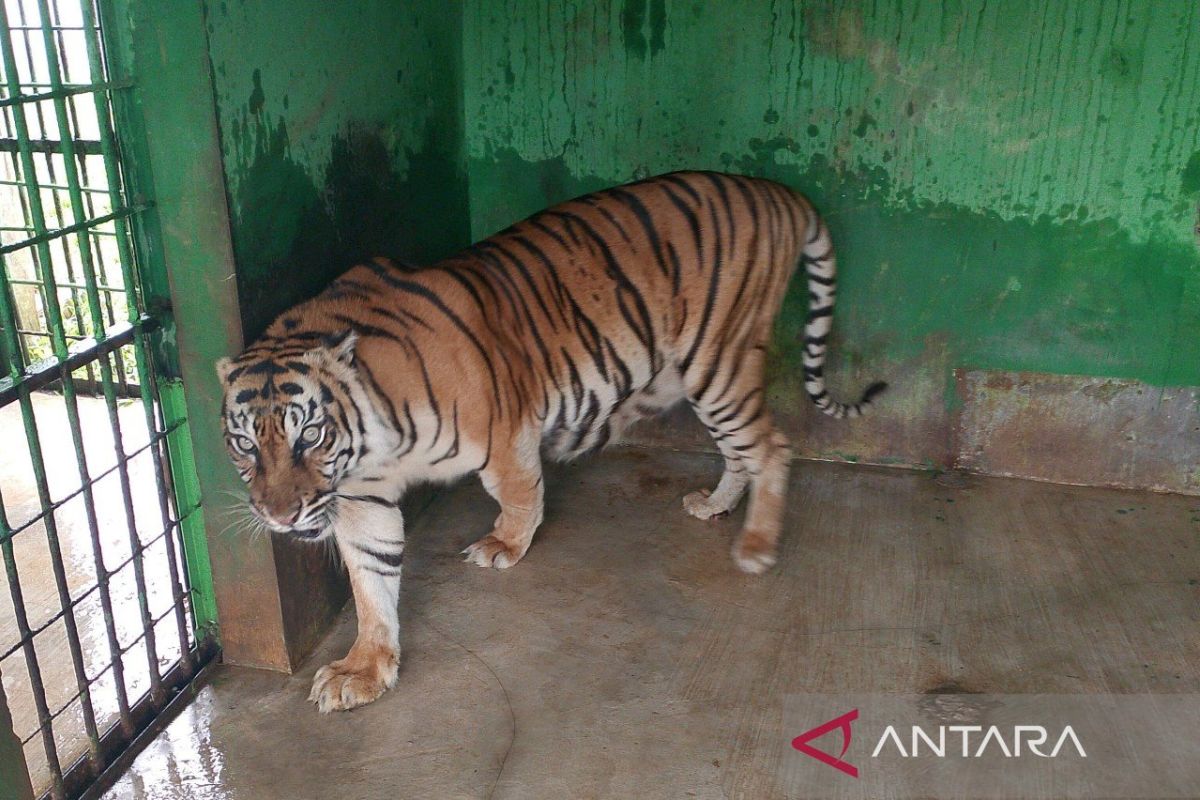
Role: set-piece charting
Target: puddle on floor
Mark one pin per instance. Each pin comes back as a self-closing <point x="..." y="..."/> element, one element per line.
<point x="181" y="763"/>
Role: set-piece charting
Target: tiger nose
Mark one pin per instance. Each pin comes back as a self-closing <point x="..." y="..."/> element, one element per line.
<point x="283" y="518"/>
<point x="289" y="517"/>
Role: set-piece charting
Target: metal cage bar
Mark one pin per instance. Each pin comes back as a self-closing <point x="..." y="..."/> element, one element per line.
<point x="149" y="390"/>
<point x="100" y="346"/>
<point x="32" y="436"/>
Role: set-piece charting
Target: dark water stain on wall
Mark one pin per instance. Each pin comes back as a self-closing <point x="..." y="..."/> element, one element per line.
<point x="281" y="226"/>
<point x="344" y="146"/>
<point x="416" y="214"/>
<point x="1190" y="178"/>
<point x="643" y="26"/>
<point x="293" y="233"/>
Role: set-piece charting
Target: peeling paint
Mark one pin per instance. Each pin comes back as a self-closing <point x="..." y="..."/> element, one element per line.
<point x="1099" y="103"/>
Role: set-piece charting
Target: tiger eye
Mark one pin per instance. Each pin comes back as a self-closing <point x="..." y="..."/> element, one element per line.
<point x="244" y="443"/>
<point x="311" y="434"/>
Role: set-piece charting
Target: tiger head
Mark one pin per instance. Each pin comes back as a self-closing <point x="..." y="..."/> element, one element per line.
<point x="292" y="429"/>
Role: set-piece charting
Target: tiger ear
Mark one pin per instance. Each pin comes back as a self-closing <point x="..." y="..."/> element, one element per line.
<point x="341" y="345"/>
<point x="224" y="367"/>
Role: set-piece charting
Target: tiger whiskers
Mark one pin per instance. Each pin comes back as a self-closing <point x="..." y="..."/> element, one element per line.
<point x="242" y="518"/>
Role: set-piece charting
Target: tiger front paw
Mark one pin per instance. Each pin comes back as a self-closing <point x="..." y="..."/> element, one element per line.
<point x="355" y="680"/>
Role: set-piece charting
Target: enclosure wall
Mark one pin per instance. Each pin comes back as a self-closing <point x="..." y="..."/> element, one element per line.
<point x="1012" y="188"/>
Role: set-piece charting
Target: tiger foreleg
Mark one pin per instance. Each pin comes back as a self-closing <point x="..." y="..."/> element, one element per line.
<point x="370" y="538"/>
<point x="514" y="480"/>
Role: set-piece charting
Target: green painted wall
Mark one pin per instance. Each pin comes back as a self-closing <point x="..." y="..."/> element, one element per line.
<point x="341" y="138"/>
<point x="1011" y="185"/>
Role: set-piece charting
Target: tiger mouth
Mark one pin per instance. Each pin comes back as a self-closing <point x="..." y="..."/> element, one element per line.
<point x="307" y="533"/>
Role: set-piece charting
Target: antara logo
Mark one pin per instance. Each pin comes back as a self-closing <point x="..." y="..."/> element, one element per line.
<point x="1034" y="737"/>
<point x="975" y="741"/>
<point x="801" y="742"/>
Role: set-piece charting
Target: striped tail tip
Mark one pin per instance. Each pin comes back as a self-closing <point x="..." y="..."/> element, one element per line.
<point x="871" y="392"/>
<point x="849" y="410"/>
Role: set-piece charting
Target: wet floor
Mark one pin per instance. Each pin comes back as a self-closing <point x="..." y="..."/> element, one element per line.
<point x="34" y="558"/>
<point x="626" y="657"/>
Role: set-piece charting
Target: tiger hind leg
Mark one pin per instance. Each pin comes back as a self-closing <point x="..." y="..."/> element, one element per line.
<point x="705" y="504"/>
<point x="754" y="550"/>
<point x="757" y="457"/>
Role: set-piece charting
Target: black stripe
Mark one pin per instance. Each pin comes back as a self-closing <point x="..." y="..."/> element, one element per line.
<point x="374" y="384"/>
<point x="391" y="559"/>
<point x="412" y="431"/>
<point x="437" y="302"/>
<point x="815" y="278"/>
<point x="604" y="212"/>
<point x="487" y="455"/>
<point x="625" y="381"/>
<point x="718" y="182"/>
<point x="738" y="410"/>
<point x="677" y="179"/>
<point x="452" y="451"/>
<point x="711" y="299"/>
<point x="534" y="330"/>
<point x="816" y="313"/>
<point x="551" y="271"/>
<point x="647" y="222"/>
<point x="371" y="498"/>
<point x="755" y="417"/>
<point x="693" y="223"/>
<point x="266" y="368"/>
<point x="411" y="347"/>
<point x="534" y="289"/>
<point x="553" y="234"/>
<point x="642" y="327"/>
<point x="584" y="427"/>
<point x="576" y="382"/>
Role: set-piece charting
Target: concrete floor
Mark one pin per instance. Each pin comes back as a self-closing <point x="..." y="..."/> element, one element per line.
<point x="626" y="658"/>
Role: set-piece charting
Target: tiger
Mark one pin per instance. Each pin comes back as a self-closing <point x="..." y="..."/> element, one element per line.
<point x="545" y="340"/>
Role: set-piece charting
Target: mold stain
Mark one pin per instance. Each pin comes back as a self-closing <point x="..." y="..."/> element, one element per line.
<point x="642" y="17"/>
<point x="1190" y="177"/>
